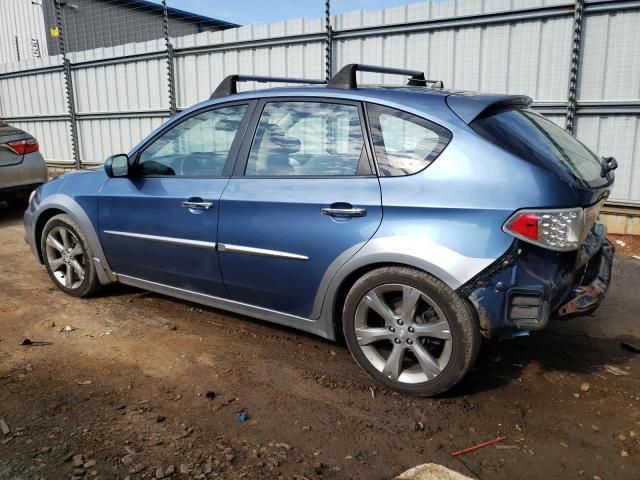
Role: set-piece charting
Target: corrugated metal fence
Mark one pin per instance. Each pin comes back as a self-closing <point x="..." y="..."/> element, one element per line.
<point x="22" y="32"/>
<point x="513" y="46"/>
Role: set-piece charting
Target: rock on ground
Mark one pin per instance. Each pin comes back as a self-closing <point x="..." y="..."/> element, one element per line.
<point x="431" y="471"/>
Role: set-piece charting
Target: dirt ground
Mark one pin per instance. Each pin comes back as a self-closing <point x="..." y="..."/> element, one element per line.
<point x="626" y="244"/>
<point x="124" y="393"/>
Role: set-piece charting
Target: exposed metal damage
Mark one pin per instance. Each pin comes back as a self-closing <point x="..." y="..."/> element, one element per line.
<point x="525" y="288"/>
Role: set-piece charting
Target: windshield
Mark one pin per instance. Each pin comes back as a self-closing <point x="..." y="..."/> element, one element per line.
<point x="533" y="137"/>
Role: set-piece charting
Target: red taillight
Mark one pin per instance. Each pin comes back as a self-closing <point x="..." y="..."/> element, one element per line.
<point x="22" y="147"/>
<point x="526" y="224"/>
<point x="560" y="229"/>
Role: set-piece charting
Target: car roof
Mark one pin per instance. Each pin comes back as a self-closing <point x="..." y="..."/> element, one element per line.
<point x="447" y="107"/>
<point x="324" y="91"/>
<point x="436" y="103"/>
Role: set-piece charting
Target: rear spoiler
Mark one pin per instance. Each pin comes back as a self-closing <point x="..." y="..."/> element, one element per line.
<point x="469" y="106"/>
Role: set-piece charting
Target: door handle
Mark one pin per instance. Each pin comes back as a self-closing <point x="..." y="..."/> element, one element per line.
<point x="344" y="212"/>
<point x="197" y="205"/>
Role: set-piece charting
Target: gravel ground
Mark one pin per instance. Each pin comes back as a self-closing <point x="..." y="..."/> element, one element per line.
<point x="122" y="393"/>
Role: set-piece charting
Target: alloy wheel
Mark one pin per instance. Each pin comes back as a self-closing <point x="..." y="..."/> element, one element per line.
<point x="66" y="257"/>
<point x="403" y="333"/>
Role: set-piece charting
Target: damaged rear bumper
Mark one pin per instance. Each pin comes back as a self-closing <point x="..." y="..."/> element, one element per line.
<point x="586" y="298"/>
<point x="529" y="285"/>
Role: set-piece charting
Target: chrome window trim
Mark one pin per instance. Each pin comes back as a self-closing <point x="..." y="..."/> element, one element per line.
<point x="161" y="239"/>
<point x="262" y="252"/>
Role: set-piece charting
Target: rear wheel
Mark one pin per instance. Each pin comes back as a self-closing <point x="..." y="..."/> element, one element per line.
<point x="68" y="256"/>
<point x="410" y="331"/>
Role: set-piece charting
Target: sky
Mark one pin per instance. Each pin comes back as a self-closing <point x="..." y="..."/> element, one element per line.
<point x="246" y="12"/>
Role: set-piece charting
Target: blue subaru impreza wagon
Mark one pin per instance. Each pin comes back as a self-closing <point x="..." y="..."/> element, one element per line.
<point x="411" y="220"/>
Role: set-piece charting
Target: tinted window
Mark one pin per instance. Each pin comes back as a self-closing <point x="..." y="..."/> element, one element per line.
<point x="403" y="143"/>
<point x="196" y="147"/>
<point x="307" y="138"/>
<point x="531" y="136"/>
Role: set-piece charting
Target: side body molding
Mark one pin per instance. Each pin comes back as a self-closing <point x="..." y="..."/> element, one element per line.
<point x="68" y="205"/>
<point x="269" y="315"/>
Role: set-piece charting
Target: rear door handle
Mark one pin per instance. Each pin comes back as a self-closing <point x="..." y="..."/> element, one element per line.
<point x="193" y="204"/>
<point x="344" y="212"/>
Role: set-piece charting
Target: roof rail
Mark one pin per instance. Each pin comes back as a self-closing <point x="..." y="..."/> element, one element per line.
<point x="346" y="77"/>
<point x="229" y="85"/>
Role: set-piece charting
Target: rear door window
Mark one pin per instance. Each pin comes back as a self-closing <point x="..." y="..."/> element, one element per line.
<point x="537" y="139"/>
<point x="307" y="138"/>
<point x="404" y="144"/>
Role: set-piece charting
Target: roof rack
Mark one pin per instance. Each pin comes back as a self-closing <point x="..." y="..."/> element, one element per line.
<point x="229" y="85"/>
<point x="346" y="77"/>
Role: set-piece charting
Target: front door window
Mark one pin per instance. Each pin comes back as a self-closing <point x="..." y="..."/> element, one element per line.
<point x="197" y="147"/>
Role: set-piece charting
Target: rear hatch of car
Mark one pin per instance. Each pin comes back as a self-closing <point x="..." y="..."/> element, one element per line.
<point x="564" y="258"/>
<point x="536" y="139"/>
<point x="510" y="123"/>
<point x="14" y="144"/>
<point x="530" y="136"/>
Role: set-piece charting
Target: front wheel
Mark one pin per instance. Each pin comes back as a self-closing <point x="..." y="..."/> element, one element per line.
<point x="68" y="256"/>
<point x="410" y="331"/>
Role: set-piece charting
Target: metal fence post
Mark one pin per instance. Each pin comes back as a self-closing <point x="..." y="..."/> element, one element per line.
<point x="68" y="86"/>
<point x="171" y="78"/>
<point x="574" y="70"/>
<point x="328" y="48"/>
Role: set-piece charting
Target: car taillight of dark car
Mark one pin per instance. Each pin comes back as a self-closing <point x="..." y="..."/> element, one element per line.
<point x="22" y="147"/>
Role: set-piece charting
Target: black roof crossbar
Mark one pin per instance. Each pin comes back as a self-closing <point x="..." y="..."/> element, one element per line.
<point x="229" y="85"/>
<point x="434" y="83"/>
<point x="346" y="77"/>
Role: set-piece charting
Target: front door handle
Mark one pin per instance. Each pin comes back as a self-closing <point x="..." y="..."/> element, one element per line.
<point x="197" y="204"/>
<point x="344" y="212"/>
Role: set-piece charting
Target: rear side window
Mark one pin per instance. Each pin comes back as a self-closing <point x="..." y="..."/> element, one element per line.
<point x="532" y="137"/>
<point x="404" y="144"/>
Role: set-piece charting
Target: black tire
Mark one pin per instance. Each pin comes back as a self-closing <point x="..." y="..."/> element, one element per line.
<point x="81" y="287"/>
<point x="465" y="338"/>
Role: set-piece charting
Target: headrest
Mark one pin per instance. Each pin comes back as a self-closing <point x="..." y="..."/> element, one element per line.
<point x="286" y="143"/>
